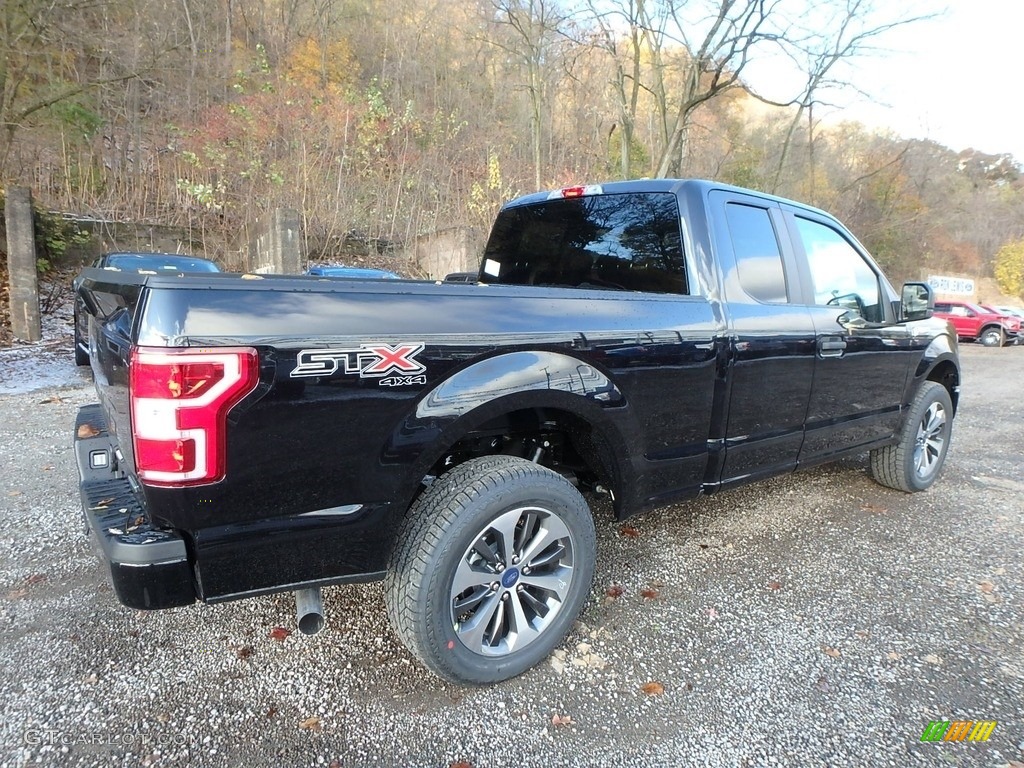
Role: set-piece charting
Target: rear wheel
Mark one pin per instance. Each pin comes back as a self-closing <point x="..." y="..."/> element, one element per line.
<point x="913" y="463"/>
<point x="493" y="564"/>
<point x="993" y="337"/>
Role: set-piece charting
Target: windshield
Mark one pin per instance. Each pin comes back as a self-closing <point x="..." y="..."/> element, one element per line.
<point x="156" y="262"/>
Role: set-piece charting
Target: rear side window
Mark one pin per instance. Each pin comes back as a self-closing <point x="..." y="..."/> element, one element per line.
<point x="758" y="258"/>
<point x="626" y="242"/>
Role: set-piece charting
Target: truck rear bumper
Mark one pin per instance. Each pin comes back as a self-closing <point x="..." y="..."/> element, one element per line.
<point x="148" y="566"/>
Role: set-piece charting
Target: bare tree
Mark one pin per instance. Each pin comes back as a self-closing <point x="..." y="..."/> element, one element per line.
<point x="718" y="46"/>
<point x="536" y="28"/>
<point x="843" y="30"/>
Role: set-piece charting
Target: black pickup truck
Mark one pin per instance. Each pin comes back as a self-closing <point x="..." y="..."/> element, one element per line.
<point x="648" y="340"/>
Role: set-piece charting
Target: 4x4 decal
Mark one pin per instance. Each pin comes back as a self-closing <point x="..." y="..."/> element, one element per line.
<point x="393" y="364"/>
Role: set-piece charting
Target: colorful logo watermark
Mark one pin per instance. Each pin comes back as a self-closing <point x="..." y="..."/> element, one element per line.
<point x="958" y="730"/>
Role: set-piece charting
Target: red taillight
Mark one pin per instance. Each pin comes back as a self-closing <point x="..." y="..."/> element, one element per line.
<point x="180" y="400"/>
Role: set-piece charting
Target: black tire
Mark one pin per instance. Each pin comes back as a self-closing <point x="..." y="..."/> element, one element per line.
<point x="447" y="533"/>
<point x="81" y="356"/>
<point x="993" y="337"/>
<point x="915" y="461"/>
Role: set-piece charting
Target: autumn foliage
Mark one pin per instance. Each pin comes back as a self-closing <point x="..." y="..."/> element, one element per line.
<point x="401" y="118"/>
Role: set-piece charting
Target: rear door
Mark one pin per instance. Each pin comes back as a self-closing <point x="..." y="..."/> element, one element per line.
<point x="863" y="356"/>
<point x="772" y="339"/>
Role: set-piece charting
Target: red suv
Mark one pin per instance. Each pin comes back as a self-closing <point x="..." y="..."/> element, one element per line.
<point x="977" y="323"/>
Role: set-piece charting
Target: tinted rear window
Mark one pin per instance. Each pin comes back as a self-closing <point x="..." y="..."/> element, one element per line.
<point x="625" y="242"/>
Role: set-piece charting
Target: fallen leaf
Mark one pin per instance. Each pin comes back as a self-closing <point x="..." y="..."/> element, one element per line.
<point x="103" y="503"/>
<point x="310" y="724"/>
<point x="271" y="712"/>
<point x="712" y="614"/>
<point x="704" y="546"/>
<point x="653" y="688"/>
<point x="244" y="652"/>
<point x="614" y="591"/>
<point x="650" y="593"/>
<point x="50" y="400"/>
<point x="822" y="683"/>
<point x="873" y="508"/>
<point x="629" y="532"/>
<point x="999" y="572"/>
<point x="35" y="578"/>
<point x="87" y="430"/>
<point x="91" y="679"/>
<point x="557" y="720"/>
<point x="17" y="594"/>
<point x="893" y="656"/>
<point x="335" y="763"/>
<point x="163" y="717"/>
<point x="14" y="493"/>
<point x="461" y="764"/>
<point x="931" y="658"/>
<point x="280" y="634"/>
<point x="774" y="585"/>
<point x="863" y="634"/>
<point x="987" y="587"/>
<point x="252" y="277"/>
<point x="835" y="653"/>
<point x="48" y="468"/>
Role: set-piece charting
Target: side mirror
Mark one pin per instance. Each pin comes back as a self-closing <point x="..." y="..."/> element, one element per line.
<point x="917" y="302"/>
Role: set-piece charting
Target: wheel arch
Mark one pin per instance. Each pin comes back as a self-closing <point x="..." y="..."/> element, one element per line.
<point x="940" y="363"/>
<point x="523" y="395"/>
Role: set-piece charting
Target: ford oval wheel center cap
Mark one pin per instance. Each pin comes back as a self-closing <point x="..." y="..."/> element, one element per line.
<point x="509" y="578"/>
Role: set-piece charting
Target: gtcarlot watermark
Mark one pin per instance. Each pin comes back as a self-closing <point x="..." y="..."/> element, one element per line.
<point x="35" y="737"/>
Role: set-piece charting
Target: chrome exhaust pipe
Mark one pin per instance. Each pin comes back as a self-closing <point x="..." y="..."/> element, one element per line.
<point x="309" y="609"/>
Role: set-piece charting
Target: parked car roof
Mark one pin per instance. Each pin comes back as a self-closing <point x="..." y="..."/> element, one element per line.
<point x="353" y="272"/>
<point x="461" y="277"/>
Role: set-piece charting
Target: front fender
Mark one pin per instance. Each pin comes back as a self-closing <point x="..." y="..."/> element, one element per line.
<point x="940" y="361"/>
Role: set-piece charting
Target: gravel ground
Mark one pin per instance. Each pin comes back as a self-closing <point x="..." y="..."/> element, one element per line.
<point x="814" y="620"/>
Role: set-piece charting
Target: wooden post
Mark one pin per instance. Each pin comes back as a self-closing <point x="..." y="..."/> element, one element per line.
<point x="21" y="265"/>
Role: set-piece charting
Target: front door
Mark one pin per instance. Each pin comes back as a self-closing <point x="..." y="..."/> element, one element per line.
<point x="863" y="356"/>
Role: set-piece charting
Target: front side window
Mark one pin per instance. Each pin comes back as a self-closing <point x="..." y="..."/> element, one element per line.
<point x="626" y="242"/>
<point x="841" y="276"/>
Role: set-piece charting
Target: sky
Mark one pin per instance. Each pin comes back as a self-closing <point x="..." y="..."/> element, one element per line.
<point x="956" y="79"/>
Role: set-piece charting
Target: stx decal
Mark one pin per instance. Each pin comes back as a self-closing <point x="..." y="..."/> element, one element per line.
<point x="370" y="361"/>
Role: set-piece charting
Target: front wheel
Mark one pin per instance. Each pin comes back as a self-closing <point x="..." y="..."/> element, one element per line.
<point x="913" y="463"/>
<point x="493" y="564"/>
<point x="993" y="337"/>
